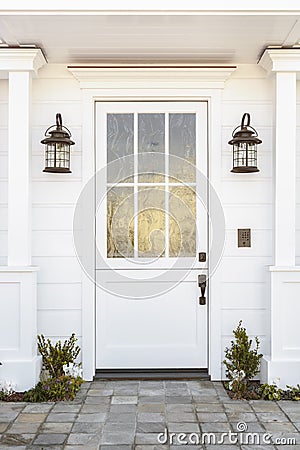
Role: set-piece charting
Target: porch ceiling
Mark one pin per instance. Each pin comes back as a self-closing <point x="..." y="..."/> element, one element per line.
<point x="164" y="37"/>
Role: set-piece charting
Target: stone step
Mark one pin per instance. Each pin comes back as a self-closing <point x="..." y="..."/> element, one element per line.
<point x="152" y="374"/>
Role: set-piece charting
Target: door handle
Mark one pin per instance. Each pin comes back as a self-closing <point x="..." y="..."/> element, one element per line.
<point x="202" y="285"/>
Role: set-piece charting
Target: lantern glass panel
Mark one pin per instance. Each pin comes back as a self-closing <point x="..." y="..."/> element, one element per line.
<point x="62" y="155"/>
<point x="252" y="154"/>
<point x="240" y="154"/>
<point x="50" y="155"/>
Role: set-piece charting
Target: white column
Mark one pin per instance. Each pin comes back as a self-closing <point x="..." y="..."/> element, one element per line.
<point x="18" y="281"/>
<point x="283" y="360"/>
<point x="19" y="199"/>
<point x="285" y="169"/>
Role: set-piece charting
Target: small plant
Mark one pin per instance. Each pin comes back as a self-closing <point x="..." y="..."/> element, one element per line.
<point x="54" y="389"/>
<point x="58" y="355"/>
<point x="271" y="392"/>
<point x="293" y="392"/>
<point x="242" y="361"/>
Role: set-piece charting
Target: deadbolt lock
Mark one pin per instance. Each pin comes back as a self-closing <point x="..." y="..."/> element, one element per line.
<point x="202" y="257"/>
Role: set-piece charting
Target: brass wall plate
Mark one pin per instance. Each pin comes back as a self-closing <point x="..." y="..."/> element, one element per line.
<point x="244" y="237"/>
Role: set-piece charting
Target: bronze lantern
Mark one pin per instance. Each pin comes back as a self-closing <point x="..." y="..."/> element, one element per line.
<point x="57" y="148"/>
<point x="244" y="143"/>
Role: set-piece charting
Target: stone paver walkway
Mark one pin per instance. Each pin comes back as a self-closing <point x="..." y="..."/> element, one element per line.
<point x="127" y="415"/>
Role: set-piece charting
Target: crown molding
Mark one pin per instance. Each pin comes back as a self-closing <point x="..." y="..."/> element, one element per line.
<point x="142" y="75"/>
<point x="20" y="60"/>
<point x="280" y="60"/>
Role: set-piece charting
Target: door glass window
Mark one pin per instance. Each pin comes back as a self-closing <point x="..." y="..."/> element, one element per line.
<point x="152" y="213"/>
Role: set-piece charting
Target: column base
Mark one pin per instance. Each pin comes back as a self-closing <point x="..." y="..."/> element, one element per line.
<point x="30" y="370"/>
<point x="287" y="371"/>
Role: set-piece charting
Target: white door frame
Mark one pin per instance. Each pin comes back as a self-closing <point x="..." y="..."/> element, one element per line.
<point x="152" y="84"/>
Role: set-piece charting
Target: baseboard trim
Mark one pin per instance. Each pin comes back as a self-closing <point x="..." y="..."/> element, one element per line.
<point x="152" y="374"/>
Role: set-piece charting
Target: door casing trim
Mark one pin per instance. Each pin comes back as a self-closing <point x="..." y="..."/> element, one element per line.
<point x="214" y="100"/>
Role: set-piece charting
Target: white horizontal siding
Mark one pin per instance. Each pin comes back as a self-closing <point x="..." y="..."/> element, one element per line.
<point x="57" y="191"/>
<point x="57" y="296"/>
<point x="58" y="269"/>
<point x="247" y="200"/>
<point x="52" y="217"/>
<point x="54" y="197"/>
<point x="59" y="322"/>
<point x="52" y="243"/>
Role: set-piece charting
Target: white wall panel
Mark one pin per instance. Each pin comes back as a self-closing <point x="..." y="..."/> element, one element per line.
<point x="243" y="191"/>
<point x="3" y="218"/>
<point x="43" y="114"/>
<point x="59" y="322"/>
<point x="52" y="296"/>
<point x="58" y="191"/>
<point x="10" y="307"/>
<point x="245" y="295"/>
<point x="52" y="217"/>
<point x="245" y="269"/>
<point x="249" y="216"/>
<point x="58" y="269"/>
<point x="261" y="113"/>
<point x="3" y="166"/>
<point x="52" y="243"/>
<point x="256" y="322"/>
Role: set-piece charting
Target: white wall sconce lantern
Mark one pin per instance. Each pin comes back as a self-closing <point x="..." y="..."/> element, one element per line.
<point x="244" y="143"/>
<point x="57" y="148"/>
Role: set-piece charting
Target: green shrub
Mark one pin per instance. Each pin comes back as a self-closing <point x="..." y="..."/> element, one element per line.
<point x="56" y="356"/>
<point x="242" y="361"/>
<point x="54" y="389"/>
<point x="271" y="392"/>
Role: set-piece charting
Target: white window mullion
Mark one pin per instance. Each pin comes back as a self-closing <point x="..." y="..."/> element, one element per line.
<point x="167" y="250"/>
<point x="135" y="185"/>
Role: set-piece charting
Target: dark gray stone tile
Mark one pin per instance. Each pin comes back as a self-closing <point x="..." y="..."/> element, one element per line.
<point x="150" y="427"/>
<point x="121" y="417"/>
<point x="96" y="417"/>
<point x="61" y="417"/>
<point x="178" y="400"/>
<point x="87" y="427"/>
<point x="185" y="427"/>
<point x="181" y="417"/>
<point x="151" y="417"/>
<point x="117" y="438"/>
<point x="50" y="438"/>
<point x="54" y="427"/>
<point x="84" y="439"/>
<point x="211" y="417"/>
<point x="272" y="417"/>
<point x="152" y="407"/>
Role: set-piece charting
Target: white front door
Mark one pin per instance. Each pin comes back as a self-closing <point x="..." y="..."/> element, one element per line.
<point x="150" y="227"/>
